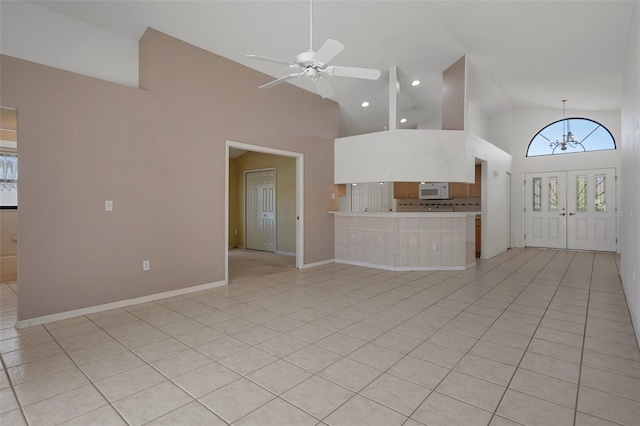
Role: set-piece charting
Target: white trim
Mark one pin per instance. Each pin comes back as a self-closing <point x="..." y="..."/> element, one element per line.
<point x="406" y="268"/>
<point x="226" y="213"/>
<point x="300" y="211"/>
<point x="285" y="253"/>
<point x="115" y="305"/>
<point x="322" y="262"/>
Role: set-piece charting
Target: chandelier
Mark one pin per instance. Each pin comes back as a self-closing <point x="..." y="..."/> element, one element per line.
<point x="8" y="172"/>
<point x="568" y="140"/>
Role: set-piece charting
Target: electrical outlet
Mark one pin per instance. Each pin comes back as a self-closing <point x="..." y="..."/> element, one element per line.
<point x="434" y="247"/>
<point x="235" y="232"/>
<point x="108" y="206"/>
<point x="146" y="265"/>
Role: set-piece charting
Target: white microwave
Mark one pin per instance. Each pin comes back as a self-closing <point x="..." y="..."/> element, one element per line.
<point x="434" y="191"/>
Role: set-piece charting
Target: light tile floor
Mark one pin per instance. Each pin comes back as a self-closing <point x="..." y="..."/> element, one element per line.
<point x="533" y="337"/>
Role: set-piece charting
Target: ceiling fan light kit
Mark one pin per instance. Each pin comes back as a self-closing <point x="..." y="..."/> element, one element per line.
<point x="314" y="65"/>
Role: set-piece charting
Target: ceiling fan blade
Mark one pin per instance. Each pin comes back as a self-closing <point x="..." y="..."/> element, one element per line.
<point x="323" y="87"/>
<point x="328" y="51"/>
<point x="280" y="80"/>
<point x="366" y="73"/>
<point x="277" y="61"/>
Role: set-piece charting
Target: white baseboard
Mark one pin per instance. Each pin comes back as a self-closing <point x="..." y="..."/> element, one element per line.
<point x="285" y="253"/>
<point x="115" y="305"/>
<point x="402" y="268"/>
<point x="322" y="262"/>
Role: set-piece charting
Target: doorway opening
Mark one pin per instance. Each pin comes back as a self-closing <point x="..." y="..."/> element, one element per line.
<point x="263" y="210"/>
<point x="8" y="216"/>
<point x="508" y="208"/>
<point x="9" y="194"/>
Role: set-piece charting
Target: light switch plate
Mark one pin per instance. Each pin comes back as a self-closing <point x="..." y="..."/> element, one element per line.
<point x="108" y="206"/>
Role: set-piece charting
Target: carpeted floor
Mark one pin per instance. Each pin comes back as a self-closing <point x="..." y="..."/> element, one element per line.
<point x="254" y="263"/>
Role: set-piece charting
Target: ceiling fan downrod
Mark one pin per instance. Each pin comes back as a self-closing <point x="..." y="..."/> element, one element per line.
<point x="310" y="25"/>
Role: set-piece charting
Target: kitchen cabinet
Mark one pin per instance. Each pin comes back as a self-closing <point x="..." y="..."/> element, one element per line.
<point x="475" y="189"/>
<point x="466" y="190"/>
<point x="458" y="189"/>
<point x="403" y="190"/>
<point x="413" y="189"/>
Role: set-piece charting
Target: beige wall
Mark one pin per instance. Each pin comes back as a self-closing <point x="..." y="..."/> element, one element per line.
<point x="159" y="154"/>
<point x="285" y="197"/>
<point x="454" y="92"/>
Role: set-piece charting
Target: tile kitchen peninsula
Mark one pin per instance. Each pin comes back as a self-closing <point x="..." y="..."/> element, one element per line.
<point x="406" y="241"/>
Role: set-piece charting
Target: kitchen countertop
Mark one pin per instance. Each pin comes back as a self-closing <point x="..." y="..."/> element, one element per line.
<point x="406" y="214"/>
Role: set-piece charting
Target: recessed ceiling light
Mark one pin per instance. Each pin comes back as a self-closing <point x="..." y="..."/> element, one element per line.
<point x="365" y="104"/>
<point x="403" y="120"/>
<point x="415" y="83"/>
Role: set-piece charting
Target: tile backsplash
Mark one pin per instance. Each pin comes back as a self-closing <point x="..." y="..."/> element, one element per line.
<point x="458" y="204"/>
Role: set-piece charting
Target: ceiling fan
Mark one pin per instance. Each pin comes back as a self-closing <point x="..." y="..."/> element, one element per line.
<point x="315" y="64"/>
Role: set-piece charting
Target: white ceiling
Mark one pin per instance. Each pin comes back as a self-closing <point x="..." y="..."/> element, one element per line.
<point x="523" y="54"/>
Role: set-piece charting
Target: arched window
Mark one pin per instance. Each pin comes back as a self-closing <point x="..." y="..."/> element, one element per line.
<point x="571" y="135"/>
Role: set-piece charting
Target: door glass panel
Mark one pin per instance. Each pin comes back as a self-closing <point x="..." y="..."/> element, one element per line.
<point x="553" y="193"/>
<point x="601" y="193"/>
<point x="581" y="193"/>
<point x="537" y="194"/>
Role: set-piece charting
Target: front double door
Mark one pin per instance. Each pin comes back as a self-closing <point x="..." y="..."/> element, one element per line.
<point x="571" y="209"/>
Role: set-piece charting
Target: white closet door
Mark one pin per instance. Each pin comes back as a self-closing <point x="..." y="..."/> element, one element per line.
<point x="261" y="210"/>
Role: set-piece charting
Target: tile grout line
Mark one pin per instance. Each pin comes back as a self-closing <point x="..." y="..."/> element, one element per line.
<point x="375" y="286"/>
<point x="148" y="363"/>
<point x="366" y="343"/>
<point x="531" y="338"/>
<point x="584" y="338"/>
<point x="13" y="391"/>
<point x="53" y="396"/>
<point x="87" y="377"/>
<point x="467" y="352"/>
<point x="407" y="355"/>
<point x="307" y="323"/>
<point x="347" y="357"/>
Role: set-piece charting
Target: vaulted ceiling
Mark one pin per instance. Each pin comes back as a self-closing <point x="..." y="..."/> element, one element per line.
<point x="522" y="54"/>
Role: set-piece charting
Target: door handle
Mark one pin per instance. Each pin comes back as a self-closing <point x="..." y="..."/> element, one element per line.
<point x="563" y="214"/>
<point x="572" y="214"/>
